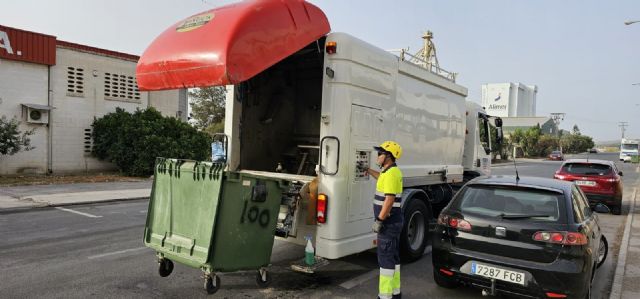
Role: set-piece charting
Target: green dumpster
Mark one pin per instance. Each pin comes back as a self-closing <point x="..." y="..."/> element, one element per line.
<point x="214" y="220"/>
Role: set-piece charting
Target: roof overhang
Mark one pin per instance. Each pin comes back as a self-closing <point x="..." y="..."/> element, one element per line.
<point x="229" y="44"/>
<point x="38" y="106"/>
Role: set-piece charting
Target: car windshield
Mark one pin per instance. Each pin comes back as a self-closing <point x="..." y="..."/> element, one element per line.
<point x="509" y="203"/>
<point x="556" y="153"/>
<point x="629" y="147"/>
<point x="587" y="169"/>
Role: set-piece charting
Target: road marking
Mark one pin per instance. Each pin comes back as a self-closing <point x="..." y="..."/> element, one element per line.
<point x="349" y="284"/>
<point x="79" y="213"/>
<point x="116" y="253"/>
<point x="143" y="211"/>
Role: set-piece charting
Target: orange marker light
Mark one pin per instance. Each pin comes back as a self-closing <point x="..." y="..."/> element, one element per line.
<point x="331" y="47"/>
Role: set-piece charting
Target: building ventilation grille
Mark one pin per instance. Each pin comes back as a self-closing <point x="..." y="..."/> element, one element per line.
<point x="118" y="87"/>
<point x="75" y="81"/>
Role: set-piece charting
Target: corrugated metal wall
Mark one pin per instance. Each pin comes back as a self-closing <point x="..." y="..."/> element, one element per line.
<point x="16" y="44"/>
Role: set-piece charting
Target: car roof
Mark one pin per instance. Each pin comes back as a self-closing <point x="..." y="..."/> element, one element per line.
<point x="592" y="161"/>
<point x="524" y="181"/>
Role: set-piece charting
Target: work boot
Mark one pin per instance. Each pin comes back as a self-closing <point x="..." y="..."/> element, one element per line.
<point x="399" y="296"/>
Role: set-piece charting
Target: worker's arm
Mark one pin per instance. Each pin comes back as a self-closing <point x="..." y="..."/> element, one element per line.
<point x="386" y="206"/>
<point x="373" y="173"/>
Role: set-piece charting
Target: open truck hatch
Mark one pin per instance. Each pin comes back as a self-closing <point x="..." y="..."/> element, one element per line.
<point x="230" y="44"/>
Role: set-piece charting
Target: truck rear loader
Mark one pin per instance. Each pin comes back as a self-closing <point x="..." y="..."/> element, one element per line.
<point x="305" y="106"/>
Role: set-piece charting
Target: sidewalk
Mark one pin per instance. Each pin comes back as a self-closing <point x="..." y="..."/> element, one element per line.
<point x="627" y="275"/>
<point x="26" y="197"/>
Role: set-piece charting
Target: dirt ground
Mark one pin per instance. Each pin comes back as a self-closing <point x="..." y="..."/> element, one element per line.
<point x="8" y="181"/>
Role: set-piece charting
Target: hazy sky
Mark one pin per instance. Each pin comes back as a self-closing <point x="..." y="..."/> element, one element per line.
<point x="579" y="53"/>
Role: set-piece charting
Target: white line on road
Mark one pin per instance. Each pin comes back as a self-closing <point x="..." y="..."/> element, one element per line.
<point x="77" y="212"/>
<point x="349" y="284"/>
<point x="360" y="279"/>
<point x="116" y="252"/>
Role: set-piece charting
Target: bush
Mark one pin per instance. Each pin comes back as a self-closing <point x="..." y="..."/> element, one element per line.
<point x="133" y="141"/>
<point x="576" y="143"/>
<point x="13" y="140"/>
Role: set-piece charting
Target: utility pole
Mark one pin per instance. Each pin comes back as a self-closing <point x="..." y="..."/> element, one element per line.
<point x="623" y="127"/>
<point x="557" y="117"/>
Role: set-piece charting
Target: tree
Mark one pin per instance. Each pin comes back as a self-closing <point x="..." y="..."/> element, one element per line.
<point x="207" y="108"/>
<point x="576" y="130"/>
<point x="133" y="141"/>
<point x="576" y="143"/>
<point x="13" y="140"/>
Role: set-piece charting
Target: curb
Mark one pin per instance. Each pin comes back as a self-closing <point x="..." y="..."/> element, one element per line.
<point x="616" y="288"/>
<point x="42" y="206"/>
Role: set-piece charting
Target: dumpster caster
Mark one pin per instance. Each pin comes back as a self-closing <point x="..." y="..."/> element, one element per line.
<point x="165" y="267"/>
<point x="263" y="278"/>
<point x="211" y="284"/>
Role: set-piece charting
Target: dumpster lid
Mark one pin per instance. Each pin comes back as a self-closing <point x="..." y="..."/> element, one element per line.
<point x="229" y="44"/>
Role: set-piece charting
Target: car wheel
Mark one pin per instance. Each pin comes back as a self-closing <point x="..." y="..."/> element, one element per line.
<point x="603" y="250"/>
<point x="415" y="233"/>
<point x="616" y="210"/>
<point x="444" y="281"/>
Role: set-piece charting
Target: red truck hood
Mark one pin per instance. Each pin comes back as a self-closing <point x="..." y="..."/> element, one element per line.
<point x="229" y="44"/>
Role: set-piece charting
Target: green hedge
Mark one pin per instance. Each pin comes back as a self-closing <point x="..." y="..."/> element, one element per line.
<point x="132" y="141"/>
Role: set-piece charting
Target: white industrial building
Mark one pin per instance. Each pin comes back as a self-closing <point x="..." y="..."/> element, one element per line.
<point x="509" y="99"/>
<point x="58" y="88"/>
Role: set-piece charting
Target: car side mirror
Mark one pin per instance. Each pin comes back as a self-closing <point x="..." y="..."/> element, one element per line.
<point x="600" y="208"/>
<point x="499" y="135"/>
<point x="620" y="173"/>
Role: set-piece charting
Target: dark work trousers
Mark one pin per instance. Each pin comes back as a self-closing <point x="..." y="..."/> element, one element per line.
<point x="389" y="260"/>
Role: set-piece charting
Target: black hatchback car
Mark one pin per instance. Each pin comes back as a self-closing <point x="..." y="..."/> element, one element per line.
<point x="532" y="237"/>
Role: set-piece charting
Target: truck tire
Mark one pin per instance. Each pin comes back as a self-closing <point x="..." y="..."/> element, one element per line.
<point x="415" y="233"/>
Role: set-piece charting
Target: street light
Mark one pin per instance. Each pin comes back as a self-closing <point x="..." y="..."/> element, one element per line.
<point x="557" y="117"/>
<point x="630" y="22"/>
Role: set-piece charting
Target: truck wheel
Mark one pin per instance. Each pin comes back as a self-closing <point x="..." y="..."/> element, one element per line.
<point x="415" y="233"/>
<point x="165" y="267"/>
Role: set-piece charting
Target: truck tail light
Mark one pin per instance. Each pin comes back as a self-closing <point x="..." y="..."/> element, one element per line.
<point x="564" y="238"/>
<point x="331" y="47"/>
<point x="321" y="208"/>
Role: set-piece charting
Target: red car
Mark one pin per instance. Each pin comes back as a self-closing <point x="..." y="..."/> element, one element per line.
<point x="556" y="155"/>
<point x="600" y="180"/>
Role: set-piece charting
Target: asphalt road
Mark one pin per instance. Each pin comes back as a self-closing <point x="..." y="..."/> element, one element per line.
<point x="97" y="251"/>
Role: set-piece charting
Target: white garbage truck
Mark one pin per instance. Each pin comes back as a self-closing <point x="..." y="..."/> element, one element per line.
<point x="307" y="105"/>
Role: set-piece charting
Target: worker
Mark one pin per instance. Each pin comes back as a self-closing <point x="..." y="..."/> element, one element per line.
<point x="388" y="217"/>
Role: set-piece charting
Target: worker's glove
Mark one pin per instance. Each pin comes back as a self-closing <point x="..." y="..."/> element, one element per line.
<point x="361" y="167"/>
<point x="377" y="225"/>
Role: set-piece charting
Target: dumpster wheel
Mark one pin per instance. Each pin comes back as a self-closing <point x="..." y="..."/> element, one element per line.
<point x="263" y="278"/>
<point x="165" y="267"/>
<point x="211" y="284"/>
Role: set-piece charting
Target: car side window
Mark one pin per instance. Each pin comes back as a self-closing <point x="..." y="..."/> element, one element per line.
<point x="578" y="212"/>
<point x="584" y="203"/>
